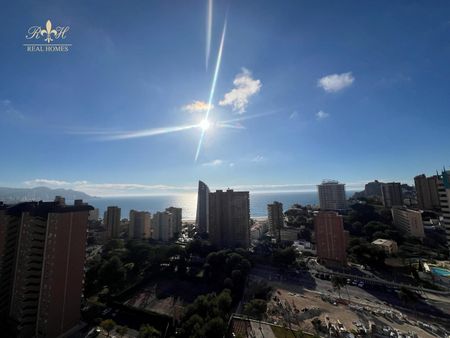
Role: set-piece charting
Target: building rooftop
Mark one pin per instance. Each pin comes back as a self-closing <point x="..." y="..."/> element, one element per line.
<point x="381" y="241"/>
<point x="43" y="208"/>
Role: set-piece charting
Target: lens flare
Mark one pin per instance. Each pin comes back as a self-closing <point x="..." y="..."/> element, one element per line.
<point x="205" y="125"/>
<point x="213" y="87"/>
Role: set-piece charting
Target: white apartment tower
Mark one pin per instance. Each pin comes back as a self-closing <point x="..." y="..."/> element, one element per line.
<point x="332" y="195"/>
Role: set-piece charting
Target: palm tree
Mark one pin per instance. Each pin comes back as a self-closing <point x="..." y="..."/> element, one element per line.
<point x="337" y="284"/>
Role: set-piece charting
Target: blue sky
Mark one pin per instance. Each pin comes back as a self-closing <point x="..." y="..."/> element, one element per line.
<point x="352" y="90"/>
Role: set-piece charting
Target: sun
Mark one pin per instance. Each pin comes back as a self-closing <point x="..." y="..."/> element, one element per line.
<point x="204" y="124"/>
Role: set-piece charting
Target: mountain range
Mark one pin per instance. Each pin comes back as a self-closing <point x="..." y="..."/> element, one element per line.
<point x="9" y="195"/>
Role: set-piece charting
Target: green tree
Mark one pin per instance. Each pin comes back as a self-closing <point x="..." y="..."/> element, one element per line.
<point x="108" y="325"/>
<point x="224" y="301"/>
<point x="338" y="283"/>
<point x="111" y="245"/>
<point x="373" y="227"/>
<point x="256" y="308"/>
<point x="112" y="273"/>
<point x="193" y="325"/>
<point x="214" y="328"/>
<point x="285" y="257"/>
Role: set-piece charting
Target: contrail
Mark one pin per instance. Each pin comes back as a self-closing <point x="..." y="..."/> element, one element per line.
<point x="208" y="31"/>
<point x="213" y="87"/>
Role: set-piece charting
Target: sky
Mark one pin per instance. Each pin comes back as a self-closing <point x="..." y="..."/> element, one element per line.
<point x="258" y="95"/>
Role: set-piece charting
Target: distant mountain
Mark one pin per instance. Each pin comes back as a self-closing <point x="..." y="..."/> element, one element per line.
<point x="9" y="195"/>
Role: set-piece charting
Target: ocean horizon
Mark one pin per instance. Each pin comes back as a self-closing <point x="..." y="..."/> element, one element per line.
<point x="188" y="202"/>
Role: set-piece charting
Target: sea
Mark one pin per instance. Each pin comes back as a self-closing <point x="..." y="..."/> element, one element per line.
<point x="188" y="202"/>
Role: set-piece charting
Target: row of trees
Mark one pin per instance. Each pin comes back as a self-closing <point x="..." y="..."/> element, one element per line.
<point x="146" y="330"/>
<point x="122" y="264"/>
<point x="207" y="316"/>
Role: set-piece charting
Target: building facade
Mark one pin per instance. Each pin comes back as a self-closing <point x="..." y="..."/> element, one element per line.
<point x="140" y="225"/>
<point x="48" y="266"/>
<point x="94" y="215"/>
<point x="332" y="195"/>
<point x="373" y="189"/>
<point x="177" y="218"/>
<point x="276" y="219"/>
<point x="427" y="192"/>
<point x="202" y="219"/>
<point x="444" y="198"/>
<point x="388" y="246"/>
<point x="391" y="194"/>
<point x="162" y="226"/>
<point x="112" y="221"/>
<point x="229" y="218"/>
<point x="331" y="238"/>
<point x="408" y="221"/>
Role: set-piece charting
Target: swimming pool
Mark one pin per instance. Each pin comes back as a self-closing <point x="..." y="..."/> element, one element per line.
<point x="440" y="271"/>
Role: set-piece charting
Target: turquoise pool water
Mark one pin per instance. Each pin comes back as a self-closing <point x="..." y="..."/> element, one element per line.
<point x="440" y="271"/>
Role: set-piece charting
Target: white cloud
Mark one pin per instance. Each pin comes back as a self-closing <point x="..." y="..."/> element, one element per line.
<point x="7" y="110"/>
<point x="335" y="82"/>
<point x="134" y="189"/>
<point x="258" y="158"/>
<point x="108" y="189"/>
<point x="214" y="163"/>
<point x="320" y="115"/>
<point x="294" y="115"/>
<point x="197" y="106"/>
<point x="244" y="87"/>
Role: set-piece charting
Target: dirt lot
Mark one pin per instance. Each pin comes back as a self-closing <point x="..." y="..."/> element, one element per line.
<point x="300" y="308"/>
<point x="167" y="296"/>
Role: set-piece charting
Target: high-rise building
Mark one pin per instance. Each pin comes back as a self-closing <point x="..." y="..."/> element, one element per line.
<point x="444" y="196"/>
<point x="44" y="274"/>
<point x="94" y="215"/>
<point x="202" y="218"/>
<point x="408" y="221"/>
<point x="229" y="218"/>
<point x="331" y="238"/>
<point x="433" y="185"/>
<point x="427" y="192"/>
<point x="391" y="194"/>
<point x="332" y="195"/>
<point x="140" y="225"/>
<point x="373" y="189"/>
<point x="162" y="226"/>
<point x="177" y="218"/>
<point x="10" y="222"/>
<point x="112" y="221"/>
<point x="276" y="219"/>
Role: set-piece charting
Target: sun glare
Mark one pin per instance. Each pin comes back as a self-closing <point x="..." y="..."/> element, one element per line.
<point x="204" y="125"/>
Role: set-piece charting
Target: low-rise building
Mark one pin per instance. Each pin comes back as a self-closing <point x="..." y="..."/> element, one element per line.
<point x="389" y="246"/>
